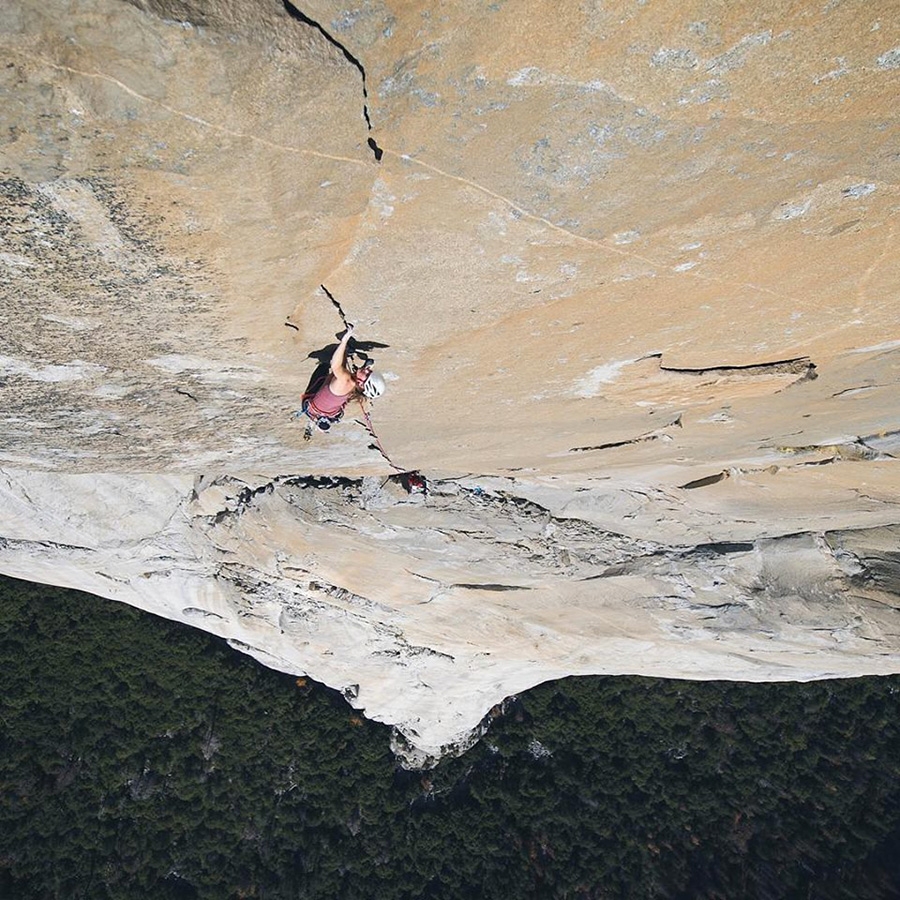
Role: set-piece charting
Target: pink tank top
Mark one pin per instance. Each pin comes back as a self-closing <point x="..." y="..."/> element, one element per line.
<point x="326" y="403"/>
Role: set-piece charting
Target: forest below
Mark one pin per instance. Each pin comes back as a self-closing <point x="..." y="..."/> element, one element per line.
<point x="143" y="759"/>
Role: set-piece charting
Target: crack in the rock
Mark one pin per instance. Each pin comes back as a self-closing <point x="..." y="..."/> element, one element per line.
<point x="336" y="304"/>
<point x="235" y="644"/>
<point x="852" y="451"/>
<point x="188" y="117"/>
<point x="801" y="365"/>
<point x="705" y="481"/>
<point x="491" y="587"/>
<point x="243" y="500"/>
<point x="304" y="19"/>
<point x="726" y="606"/>
<point x="889" y="438"/>
<point x="6" y="543"/>
<point x="718" y="548"/>
<point x="644" y="563"/>
<point x="113" y="578"/>
<point x="613" y="444"/>
<point x="192" y="611"/>
<point x="343" y="595"/>
<point x="377" y="152"/>
<point x="857" y="450"/>
<point x="654" y="435"/>
<point x="850" y="391"/>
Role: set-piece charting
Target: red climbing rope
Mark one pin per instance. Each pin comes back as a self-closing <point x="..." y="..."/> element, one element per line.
<point x="367" y="424"/>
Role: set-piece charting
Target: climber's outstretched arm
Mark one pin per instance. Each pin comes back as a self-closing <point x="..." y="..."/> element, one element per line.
<point x="343" y="380"/>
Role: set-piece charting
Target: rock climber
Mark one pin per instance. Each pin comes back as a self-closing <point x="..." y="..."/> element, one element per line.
<point x="325" y="405"/>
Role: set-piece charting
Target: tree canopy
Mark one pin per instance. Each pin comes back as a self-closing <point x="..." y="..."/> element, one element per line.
<point x="143" y="759"/>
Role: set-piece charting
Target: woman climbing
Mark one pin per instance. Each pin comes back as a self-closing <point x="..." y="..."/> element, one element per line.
<point x="325" y="405"/>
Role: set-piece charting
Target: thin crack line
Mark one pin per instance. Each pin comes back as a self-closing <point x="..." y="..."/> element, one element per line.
<point x="196" y="120"/>
<point x="535" y="217"/>
<point x="405" y="157"/>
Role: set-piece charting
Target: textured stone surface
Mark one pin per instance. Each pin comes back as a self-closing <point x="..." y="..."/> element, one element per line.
<point x="631" y="272"/>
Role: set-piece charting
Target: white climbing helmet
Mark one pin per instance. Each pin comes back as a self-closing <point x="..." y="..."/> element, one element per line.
<point x="373" y="386"/>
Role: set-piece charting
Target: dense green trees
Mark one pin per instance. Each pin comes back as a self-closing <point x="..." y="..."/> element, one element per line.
<point x="141" y="759"/>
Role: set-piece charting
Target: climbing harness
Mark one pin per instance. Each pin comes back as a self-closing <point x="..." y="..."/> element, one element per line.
<point x="323" y="423"/>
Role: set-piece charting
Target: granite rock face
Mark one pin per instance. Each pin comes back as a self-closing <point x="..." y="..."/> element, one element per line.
<point x="631" y="273"/>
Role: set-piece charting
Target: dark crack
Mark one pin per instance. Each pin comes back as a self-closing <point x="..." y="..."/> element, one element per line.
<point x="340" y="594"/>
<point x="613" y="444"/>
<point x="376" y="150"/>
<point x="654" y="435"/>
<point x="874" y="552"/>
<point x="490" y="587"/>
<point x="335" y="303"/>
<point x="884" y="442"/>
<point x="704" y="482"/>
<point x="720" y="548"/>
<point x="801" y="365"/>
<point x="24" y="543"/>
<point x="304" y="19"/>
<point x="243" y="500"/>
